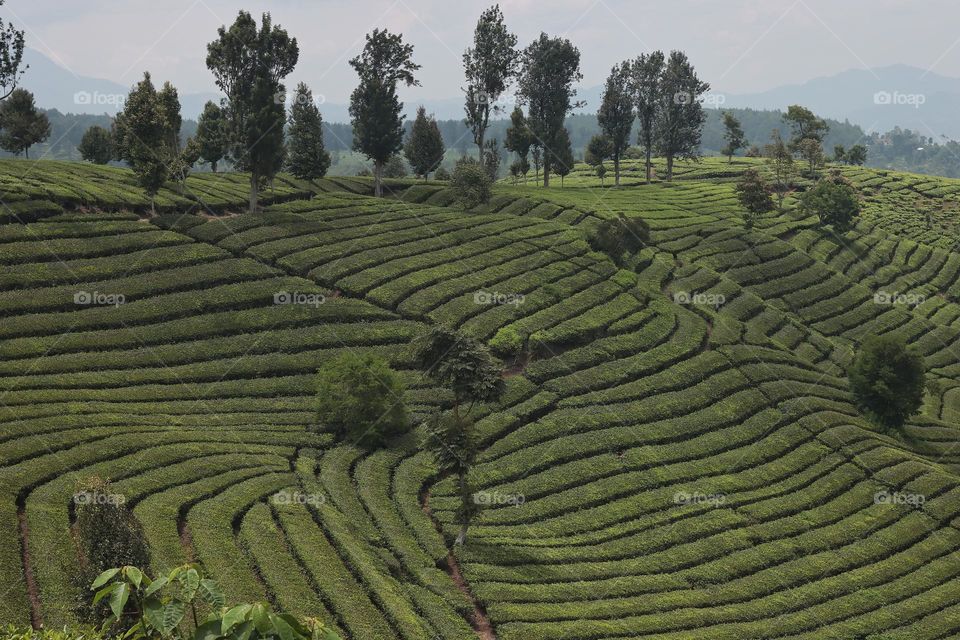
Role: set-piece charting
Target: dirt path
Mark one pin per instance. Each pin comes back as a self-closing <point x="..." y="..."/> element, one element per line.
<point x="32" y="591"/>
<point x="186" y="539"/>
<point x="478" y="619"/>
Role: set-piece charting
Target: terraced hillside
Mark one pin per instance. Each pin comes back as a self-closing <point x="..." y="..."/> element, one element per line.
<point x="677" y="455"/>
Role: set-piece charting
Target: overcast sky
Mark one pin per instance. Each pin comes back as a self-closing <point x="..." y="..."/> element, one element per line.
<point x="739" y="46"/>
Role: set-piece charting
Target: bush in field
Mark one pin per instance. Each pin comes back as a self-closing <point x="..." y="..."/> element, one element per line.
<point x="507" y="342"/>
<point x="471" y="184"/>
<point x="441" y="174"/>
<point x="619" y="237"/>
<point x="834" y="202"/>
<point x="887" y="380"/>
<point x="360" y="398"/>
<point x="108" y="535"/>
<point x="167" y="607"/>
<point x="755" y="195"/>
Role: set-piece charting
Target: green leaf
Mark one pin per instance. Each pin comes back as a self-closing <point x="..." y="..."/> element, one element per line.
<point x="284" y="630"/>
<point x="105" y="592"/>
<point x="134" y="574"/>
<point x="208" y="631"/>
<point x="234" y="616"/>
<point x="103" y="578"/>
<point x="153" y="613"/>
<point x="119" y="597"/>
<point x="155" y="586"/>
<point x="172" y="616"/>
<point x="260" y="616"/>
<point x="244" y="631"/>
<point x="210" y="591"/>
<point x="189" y="582"/>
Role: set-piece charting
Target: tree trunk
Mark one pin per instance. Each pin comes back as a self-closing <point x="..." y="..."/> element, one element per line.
<point x="649" y="164"/>
<point x="616" y="170"/>
<point x="377" y="178"/>
<point x="213" y="166"/>
<point x="465" y="499"/>
<point x="26" y="153"/>
<point x="546" y="175"/>
<point x="254" y="192"/>
<point x="670" y="167"/>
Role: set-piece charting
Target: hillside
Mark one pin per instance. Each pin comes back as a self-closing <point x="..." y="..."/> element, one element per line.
<point x="677" y="457"/>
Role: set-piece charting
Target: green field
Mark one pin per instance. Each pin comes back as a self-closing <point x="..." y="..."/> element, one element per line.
<point x="684" y="470"/>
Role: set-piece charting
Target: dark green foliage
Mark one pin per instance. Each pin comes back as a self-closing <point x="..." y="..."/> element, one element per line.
<point x="471" y="183"/>
<point x="804" y="124"/>
<point x="680" y="115"/>
<point x="563" y="154"/>
<point x="733" y="135"/>
<point x="887" y="380"/>
<point x="598" y="149"/>
<point x="248" y="65"/>
<point x="96" y="145"/>
<point x="780" y="161"/>
<point x="491" y="159"/>
<point x="489" y="66"/>
<point x="11" y="57"/>
<point x="375" y="110"/>
<point x="754" y="194"/>
<point x="857" y="155"/>
<point x="212" y="134"/>
<point x="21" y="124"/>
<point x="395" y="168"/>
<point x="441" y="174"/>
<point x="834" y="203"/>
<point x="519" y="138"/>
<point x="620" y="237"/>
<point x="142" y="135"/>
<point x="108" y="535"/>
<point x="551" y="66"/>
<point x="306" y="156"/>
<point x="424" y="148"/>
<point x="616" y="114"/>
<point x="648" y="94"/>
<point x="360" y="398"/>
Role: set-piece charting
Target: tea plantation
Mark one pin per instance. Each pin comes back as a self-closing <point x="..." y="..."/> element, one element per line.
<point x="677" y="455"/>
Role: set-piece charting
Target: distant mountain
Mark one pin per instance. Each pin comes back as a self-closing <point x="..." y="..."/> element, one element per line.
<point x="56" y="87"/>
<point x="876" y="99"/>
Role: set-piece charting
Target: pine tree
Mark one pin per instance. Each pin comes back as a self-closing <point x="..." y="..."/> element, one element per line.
<point x="307" y="158"/>
<point x="424" y="148"/>
<point x="212" y="134"/>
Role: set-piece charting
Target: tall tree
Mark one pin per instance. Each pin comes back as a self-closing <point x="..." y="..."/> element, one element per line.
<point x="519" y="139"/>
<point x="681" y="115"/>
<point x="424" y="148"/>
<point x="489" y="66"/>
<point x="733" y="134"/>
<point x="780" y="161"/>
<point x="376" y="112"/>
<point x="249" y="65"/>
<point x="467" y="369"/>
<point x="141" y="134"/>
<point x="616" y="114"/>
<point x="804" y="124"/>
<point x="212" y="134"/>
<point x="550" y="68"/>
<point x="11" y="58"/>
<point x="171" y="152"/>
<point x="647" y="91"/>
<point x="96" y="146"/>
<point x="21" y="124"/>
<point x="563" y="154"/>
<point x="306" y="156"/>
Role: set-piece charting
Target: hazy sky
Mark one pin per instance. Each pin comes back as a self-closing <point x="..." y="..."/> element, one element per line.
<point x="738" y="46"/>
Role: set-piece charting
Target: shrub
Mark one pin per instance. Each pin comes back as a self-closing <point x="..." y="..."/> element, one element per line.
<point x="507" y="342"/>
<point x="360" y="398"/>
<point x="108" y="535"/>
<point x="887" y="380"/>
<point x="471" y="184"/>
<point x="620" y="236"/>
<point x="833" y="202"/>
<point x="441" y="174"/>
<point x="16" y="633"/>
